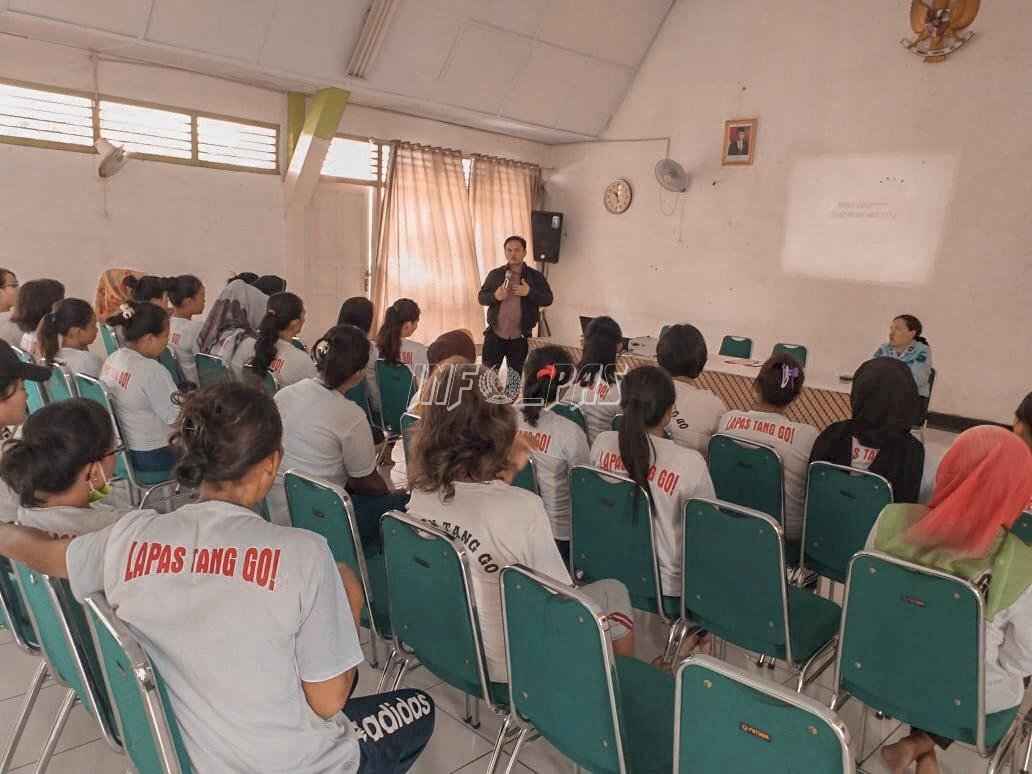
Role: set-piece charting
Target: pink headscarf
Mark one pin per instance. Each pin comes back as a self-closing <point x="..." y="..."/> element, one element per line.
<point x="983" y="484"/>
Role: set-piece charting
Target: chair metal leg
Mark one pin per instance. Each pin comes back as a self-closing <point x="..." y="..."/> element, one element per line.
<point x="516" y="750"/>
<point x="468" y="717"/>
<point x="374" y="649"/>
<point x="805" y="678"/>
<point x="386" y="670"/>
<point x="496" y="753"/>
<point x="402" y="670"/>
<point x="38" y="678"/>
<point x="69" y="701"/>
<point x="1028" y="753"/>
<point x="863" y="733"/>
<point x="475" y="714"/>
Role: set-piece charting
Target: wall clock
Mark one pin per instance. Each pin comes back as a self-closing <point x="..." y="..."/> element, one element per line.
<point x="617" y="196"/>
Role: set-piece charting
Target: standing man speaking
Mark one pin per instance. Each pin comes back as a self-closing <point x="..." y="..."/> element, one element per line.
<point x="513" y="295"/>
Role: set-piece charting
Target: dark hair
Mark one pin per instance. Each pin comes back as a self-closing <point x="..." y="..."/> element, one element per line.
<point x="357" y="311"/>
<point x="56" y="443"/>
<point x="270" y="284"/>
<point x="147" y="288"/>
<point x="35" y="299"/>
<point x="1024" y="411"/>
<point x="780" y="380"/>
<point x="281" y="310"/>
<point x="682" y="351"/>
<point x="914" y="326"/>
<point x="5" y="273"/>
<point x="519" y="239"/>
<point x="601" y="341"/>
<point x="67" y="314"/>
<point x="646" y="395"/>
<point x="461" y="435"/>
<point x="342" y="352"/>
<point x="146" y="319"/>
<point x="248" y="277"/>
<point x="541" y="390"/>
<point x="182" y="288"/>
<point x="224" y="431"/>
<point x="388" y="339"/>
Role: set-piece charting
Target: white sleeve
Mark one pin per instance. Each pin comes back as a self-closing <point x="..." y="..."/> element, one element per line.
<point x="357" y="448"/>
<point x="159" y="389"/>
<point x="85" y="561"/>
<point x="92" y="364"/>
<point x="704" y="487"/>
<point x="1016" y="651"/>
<point x="577" y="450"/>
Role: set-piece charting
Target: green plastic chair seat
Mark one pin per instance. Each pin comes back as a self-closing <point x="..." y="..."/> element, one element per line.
<point x="58" y="386"/>
<point x="153" y="477"/>
<point x="527" y="479"/>
<point x="645" y="710"/>
<point x="210" y="369"/>
<point x="813" y="620"/>
<point x="397" y="386"/>
<point x="735" y="346"/>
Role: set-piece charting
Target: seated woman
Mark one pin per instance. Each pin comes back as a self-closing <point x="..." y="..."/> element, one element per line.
<point x="36" y="299"/>
<point x="230" y="596"/>
<point x="327" y="435"/>
<point x="557" y="443"/>
<point x="681" y="352"/>
<point x="672" y="474"/>
<point x="983" y="484"/>
<point x="186" y="294"/>
<point x="596" y="389"/>
<point x="885" y="403"/>
<point x="393" y="340"/>
<point x="142" y="389"/>
<point x="1023" y="420"/>
<point x="465" y="451"/>
<point x="9" y="331"/>
<point x="234" y="316"/>
<point x="65" y="334"/>
<point x="358" y="311"/>
<point x="906" y="344"/>
<point x="779" y="383"/>
<point x="61" y="466"/>
<point x="272" y="350"/>
<point x="13" y="408"/>
<point x="149" y="289"/>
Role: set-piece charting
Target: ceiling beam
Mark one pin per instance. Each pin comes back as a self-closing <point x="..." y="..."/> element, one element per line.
<point x="312" y="144"/>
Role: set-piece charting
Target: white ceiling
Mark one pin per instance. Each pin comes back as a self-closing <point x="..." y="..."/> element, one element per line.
<point x="546" y="70"/>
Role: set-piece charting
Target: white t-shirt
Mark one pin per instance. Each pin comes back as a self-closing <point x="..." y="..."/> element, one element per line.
<point x="182" y="337"/>
<point x="80" y="361"/>
<point x="142" y="391"/>
<point x="66" y="521"/>
<point x="9" y="504"/>
<point x="325" y="435"/>
<point x="499" y="525"/>
<point x="9" y="331"/>
<point x="862" y="456"/>
<point x="290" y="365"/>
<point x="30" y="345"/>
<point x="414" y="355"/>
<point x="598" y="401"/>
<point x="793" y="441"/>
<point x="676" y="475"/>
<point x="235" y="613"/>
<point x="696" y="417"/>
<point x="559" y="445"/>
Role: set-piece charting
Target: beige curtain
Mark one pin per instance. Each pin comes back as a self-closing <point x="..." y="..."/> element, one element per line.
<point x="502" y="194"/>
<point x="426" y="249"/>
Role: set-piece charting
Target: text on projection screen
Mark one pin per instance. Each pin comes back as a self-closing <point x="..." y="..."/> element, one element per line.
<point x="867" y="218"/>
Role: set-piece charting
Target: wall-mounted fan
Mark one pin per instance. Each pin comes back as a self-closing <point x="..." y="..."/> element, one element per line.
<point x="671" y="175"/>
<point x="112" y="157"/>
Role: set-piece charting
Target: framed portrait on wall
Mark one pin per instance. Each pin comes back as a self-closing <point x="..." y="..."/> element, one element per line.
<point x="739" y="143"/>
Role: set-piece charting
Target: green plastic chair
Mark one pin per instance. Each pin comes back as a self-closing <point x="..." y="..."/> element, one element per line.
<point x="360" y="394"/>
<point x="408" y="423"/>
<point x="108" y="338"/>
<point x="735" y="346"/>
<point x="325" y="508"/>
<point x="842" y="505"/>
<point x="439" y="624"/>
<point x="571" y="412"/>
<point x="64" y="638"/>
<point x="36" y="392"/>
<point x="798" y="351"/>
<point x="267" y="380"/>
<point x="61" y="385"/>
<point x="145" y="721"/>
<point x="1023" y="527"/>
<point x="734" y="585"/>
<point x="527" y="479"/>
<point x="612" y="536"/>
<point x="617" y="422"/>
<point x="211" y="370"/>
<point x="298" y="343"/>
<point x="171" y="362"/>
<point x="931" y="673"/>
<point x="608" y="714"/>
<point x="730" y="720"/>
<point x="751" y="475"/>
<point x="397" y="386"/>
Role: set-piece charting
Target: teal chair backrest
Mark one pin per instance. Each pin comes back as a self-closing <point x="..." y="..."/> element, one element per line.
<point x="298" y="343"/>
<point x="798" y="351"/>
<point x="61" y="384"/>
<point x="210" y="369"/>
<point x="747" y="474"/>
<point x="146" y="724"/>
<point x="360" y="395"/>
<point x="571" y="412"/>
<point x="14" y="610"/>
<point x="408" y="423"/>
<point x="108" y="338"/>
<point x="735" y="346"/>
<point x="397" y="386"/>
<point x="168" y="359"/>
<point x="93" y="389"/>
<point x="733" y="576"/>
<point x="562" y="672"/>
<point x="729" y="720"/>
<point x="527" y="478"/>
<point x="612" y="536"/>
<point x="266" y="381"/>
<point x="1023" y="527"/>
<point x="35" y="390"/>
<point x="433" y="611"/>
<point x="842" y="505"/>
<point x="932" y="674"/>
<point x="617" y="422"/>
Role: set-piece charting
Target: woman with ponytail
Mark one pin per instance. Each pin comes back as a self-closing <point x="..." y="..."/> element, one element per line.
<point x="557" y="443"/>
<point x="358" y="311"/>
<point x="327" y="435"/>
<point x="65" y="334"/>
<point x="640" y="451"/>
<point x="61" y="466"/>
<point x="272" y="351"/>
<point x="597" y="388"/>
<point x="13" y="409"/>
<point x="186" y="293"/>
<point x="253" y="626"/>
<point x="400" y="321"/>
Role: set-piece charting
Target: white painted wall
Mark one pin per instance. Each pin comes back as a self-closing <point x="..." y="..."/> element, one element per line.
<point x="825" y="80"/>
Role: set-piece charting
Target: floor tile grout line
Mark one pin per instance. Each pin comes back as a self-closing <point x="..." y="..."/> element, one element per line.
<point x="31" y="764"/>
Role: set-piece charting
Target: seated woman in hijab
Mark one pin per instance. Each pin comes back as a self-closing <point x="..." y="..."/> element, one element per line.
<point x="234" y="315"/>
<point x="983" y="484"/>
<point x="885" y="406"/>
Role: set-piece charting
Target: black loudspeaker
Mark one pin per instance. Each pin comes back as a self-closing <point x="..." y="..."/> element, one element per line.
<point x="548" y="233"/>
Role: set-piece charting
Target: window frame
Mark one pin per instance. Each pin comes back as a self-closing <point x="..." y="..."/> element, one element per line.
<point x="380" y="182"/>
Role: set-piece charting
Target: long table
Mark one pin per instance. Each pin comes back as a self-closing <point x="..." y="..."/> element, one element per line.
<point x="824" y="400"/>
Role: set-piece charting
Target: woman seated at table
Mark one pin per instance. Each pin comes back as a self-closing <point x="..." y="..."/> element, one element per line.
<point x="908" y="345"/>
<point x="596" y="389"/>
<point x="983" y="484"/>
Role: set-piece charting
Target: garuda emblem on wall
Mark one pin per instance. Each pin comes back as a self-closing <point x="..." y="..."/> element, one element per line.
<point x="940" y="26"/>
